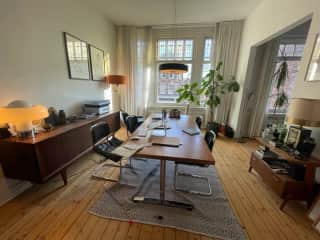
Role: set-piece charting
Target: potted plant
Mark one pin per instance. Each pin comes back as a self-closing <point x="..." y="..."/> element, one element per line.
<point x="188" y="94"/>
<point x="280" y="76"/>
<point x="213" y="87"/>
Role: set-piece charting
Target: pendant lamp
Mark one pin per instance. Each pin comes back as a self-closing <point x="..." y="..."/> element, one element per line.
<point x="174" y="67"/>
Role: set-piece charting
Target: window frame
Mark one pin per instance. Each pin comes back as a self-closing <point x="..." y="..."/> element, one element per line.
<point x="198" y="35"/>
<point x="289" y="58"/>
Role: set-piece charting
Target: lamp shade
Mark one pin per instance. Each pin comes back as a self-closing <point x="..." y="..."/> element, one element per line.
<point x="116" y="79"/>
<point x="173" y="68"/>
<point x="19" y="112"/>
<point x="304" y="112"/>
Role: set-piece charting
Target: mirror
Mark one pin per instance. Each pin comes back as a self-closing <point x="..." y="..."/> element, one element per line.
<point x="313" y="73"/>
<point x="77" y="57"/>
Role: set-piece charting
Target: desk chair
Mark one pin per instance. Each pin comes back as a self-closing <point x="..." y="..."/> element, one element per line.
<point x="199" y="121"/>
<point x="132" y="122"/>
<point x="103" y="144"/>
<point x="210" y="138"/>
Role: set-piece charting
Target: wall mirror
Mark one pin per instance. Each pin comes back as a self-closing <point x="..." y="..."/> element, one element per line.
<point x="77" y="57"/>
<point x="313" y="73"/>
<point x="97" y="63"/>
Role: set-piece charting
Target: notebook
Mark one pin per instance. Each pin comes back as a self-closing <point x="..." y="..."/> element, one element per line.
<point x="191" y="131"/>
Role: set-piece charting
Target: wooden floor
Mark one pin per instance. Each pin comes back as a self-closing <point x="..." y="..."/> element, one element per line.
<point x="51" y="211"/>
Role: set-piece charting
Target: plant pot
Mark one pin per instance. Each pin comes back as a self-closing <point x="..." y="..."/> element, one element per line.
<point x="222" y="129"/>
<point x="229" y="132"/>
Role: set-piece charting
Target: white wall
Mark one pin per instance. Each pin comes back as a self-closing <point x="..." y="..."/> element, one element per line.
<point x="33" y="63"/>
<point x="270" y="19"/>
<point x="32" y="55"/>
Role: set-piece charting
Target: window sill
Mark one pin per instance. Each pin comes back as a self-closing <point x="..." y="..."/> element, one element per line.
<point x="174" y="105"/>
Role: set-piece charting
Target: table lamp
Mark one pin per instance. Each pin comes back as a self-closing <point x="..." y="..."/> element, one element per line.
<point x="115" y="80"/>
<point x="304" y="112"/>
<point x="21" y="114"/>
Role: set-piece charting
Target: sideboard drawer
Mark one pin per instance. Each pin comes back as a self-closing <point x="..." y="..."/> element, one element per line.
<point x="272" y="179"/>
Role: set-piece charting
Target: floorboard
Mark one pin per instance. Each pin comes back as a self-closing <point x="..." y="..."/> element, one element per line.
<point x="53" y="211"/>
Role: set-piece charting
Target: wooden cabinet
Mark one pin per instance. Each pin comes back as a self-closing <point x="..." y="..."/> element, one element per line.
<point x="50" y="153"/>
<point x="285" y="186"/>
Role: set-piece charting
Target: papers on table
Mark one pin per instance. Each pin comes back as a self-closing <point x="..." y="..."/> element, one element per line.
<point x="129" y="149"/>
<point x="143" y="134"/>
<point x="158" y="125"/>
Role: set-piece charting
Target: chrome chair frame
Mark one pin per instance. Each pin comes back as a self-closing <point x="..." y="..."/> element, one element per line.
<point x="176" y="173"/>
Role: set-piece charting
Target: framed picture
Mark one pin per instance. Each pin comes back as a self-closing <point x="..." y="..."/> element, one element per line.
<point x="77" y="57"/>
<point x="97" y="63"/>
<point x="313" y="73"/>
<point x="293" y="136"/>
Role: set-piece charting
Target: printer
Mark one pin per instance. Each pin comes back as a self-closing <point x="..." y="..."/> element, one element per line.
<point x="97" y="107"/>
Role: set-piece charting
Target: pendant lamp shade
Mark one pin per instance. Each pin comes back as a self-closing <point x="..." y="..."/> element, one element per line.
<point x="173" y="68"/>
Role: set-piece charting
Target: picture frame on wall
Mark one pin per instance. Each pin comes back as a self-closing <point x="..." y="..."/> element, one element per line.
<point x="77" y="55"/>
<point x="313" y="72"/>
<point x="97" y="64"/>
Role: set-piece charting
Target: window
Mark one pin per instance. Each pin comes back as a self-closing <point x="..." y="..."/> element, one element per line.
<point x="207" y="56"/>
<point x="293" y="53"/>
<point x="178" y="50"/>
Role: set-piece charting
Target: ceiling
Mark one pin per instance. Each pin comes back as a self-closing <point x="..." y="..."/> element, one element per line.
<point x="159" y="12"/>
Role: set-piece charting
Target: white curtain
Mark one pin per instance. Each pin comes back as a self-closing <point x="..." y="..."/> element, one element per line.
<point x="226" y="50"/>
<point x="135" y="60"/>
<point x="265" y="67"/>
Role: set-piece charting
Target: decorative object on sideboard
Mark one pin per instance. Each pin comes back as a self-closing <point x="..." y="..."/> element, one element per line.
<point x="303" y="112"/>
<point x="115" y="80"/>
<point x="52" y="119"/>
<point x="313" y="73"/>
<point x="77" y="55"/>
<point x="22" y="114"/>
<point x="4" y="131"/>
<point x="62" y="117"/>
<point x="97" y="65"/>
<point x="174" y="113"/>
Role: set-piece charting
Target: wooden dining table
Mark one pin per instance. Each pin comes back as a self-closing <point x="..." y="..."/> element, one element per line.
<point x="192" y="149"/>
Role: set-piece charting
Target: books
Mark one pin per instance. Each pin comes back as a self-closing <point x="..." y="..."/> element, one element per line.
<point x="267" y="154"/>
<point x="191" y="131"/>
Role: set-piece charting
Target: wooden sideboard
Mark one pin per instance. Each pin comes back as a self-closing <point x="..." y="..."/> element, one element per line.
<point x="50" y="153"/>
<point x="285" y="186"/>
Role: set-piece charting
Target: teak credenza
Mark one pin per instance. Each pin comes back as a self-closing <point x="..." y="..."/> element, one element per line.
<point x="286" y="187"/>
<point x="50" y="153"/>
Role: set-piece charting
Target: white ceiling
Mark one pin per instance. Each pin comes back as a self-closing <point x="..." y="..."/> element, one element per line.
<point x="158" y="12"/>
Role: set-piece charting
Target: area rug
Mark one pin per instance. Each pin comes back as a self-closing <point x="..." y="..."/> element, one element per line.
<point x="212" y="216"/>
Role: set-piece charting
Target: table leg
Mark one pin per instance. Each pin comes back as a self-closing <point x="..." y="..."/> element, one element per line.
<point x="162" y="200"/>
<point x="162" y="180"/>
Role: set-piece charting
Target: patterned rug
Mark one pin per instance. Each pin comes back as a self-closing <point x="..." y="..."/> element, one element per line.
<point x="212" y="216"/>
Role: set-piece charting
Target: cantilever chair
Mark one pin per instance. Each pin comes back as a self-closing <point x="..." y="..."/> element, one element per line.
<point x="199" y="121"/>
<point x="132" y="122"/>
<point x="103" y="144"/>
<point x="210" y="138"/>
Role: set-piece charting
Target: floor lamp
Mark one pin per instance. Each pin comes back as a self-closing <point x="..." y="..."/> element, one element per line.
<point x="115" y="81"/>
